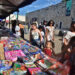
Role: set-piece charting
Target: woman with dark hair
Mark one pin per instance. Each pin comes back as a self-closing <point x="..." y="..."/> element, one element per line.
<point x="70" y="33"/>
<point x="71" y="55"/>
<point x="44" y="25"/>
<point x="13" y="26"/>
<point x="67" y="38"/>
<point x="21" y="30"/>
<point x="72" y="29"/>
<point x="50" y="31"/>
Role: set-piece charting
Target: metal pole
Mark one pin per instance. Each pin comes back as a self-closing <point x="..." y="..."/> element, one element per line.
<point x="9" y="21"/>
<point x="5" y="22"/>
<point x="17" y="14"/>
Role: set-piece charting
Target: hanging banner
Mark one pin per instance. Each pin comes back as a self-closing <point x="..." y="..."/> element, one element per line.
<point x="68" y="7"/>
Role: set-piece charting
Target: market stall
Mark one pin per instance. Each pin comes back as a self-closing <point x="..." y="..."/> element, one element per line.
<point x="19" y="57"/>
<point x="7" y="7"/>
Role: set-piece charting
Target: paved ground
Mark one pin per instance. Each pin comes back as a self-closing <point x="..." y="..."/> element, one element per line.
<point x="58" y="44"/>
<point x="58" y="41"/>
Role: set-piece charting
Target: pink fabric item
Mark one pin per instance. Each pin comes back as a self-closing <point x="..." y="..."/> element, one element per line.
<point x="12" y="55"/>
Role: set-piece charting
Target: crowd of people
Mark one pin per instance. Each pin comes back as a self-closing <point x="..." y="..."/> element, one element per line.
<point x="40" y="35"/>
<point x="44" y="36"/>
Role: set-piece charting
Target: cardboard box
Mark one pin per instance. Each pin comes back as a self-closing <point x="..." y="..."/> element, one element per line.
<point x="2" y="57"/>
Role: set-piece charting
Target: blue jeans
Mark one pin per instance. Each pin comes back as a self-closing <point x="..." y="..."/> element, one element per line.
<point x="36" y="42"/>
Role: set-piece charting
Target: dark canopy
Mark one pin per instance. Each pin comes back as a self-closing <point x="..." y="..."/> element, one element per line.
<point x="9" y="6"/>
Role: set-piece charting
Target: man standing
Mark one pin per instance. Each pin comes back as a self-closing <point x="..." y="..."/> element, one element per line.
<point x="21" y="30"/>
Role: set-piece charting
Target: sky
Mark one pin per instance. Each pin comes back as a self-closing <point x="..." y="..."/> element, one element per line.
<point x="38" y="4"/>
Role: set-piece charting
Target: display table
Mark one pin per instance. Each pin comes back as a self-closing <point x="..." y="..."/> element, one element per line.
<point x="27" y="59"/>
<point x="56" y="68"/>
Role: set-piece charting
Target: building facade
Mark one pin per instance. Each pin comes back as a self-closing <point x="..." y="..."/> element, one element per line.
<point x="54" y="12"/>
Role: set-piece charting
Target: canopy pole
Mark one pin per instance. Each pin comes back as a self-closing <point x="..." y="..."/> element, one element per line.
<point x="5" y="22"/>
<point x="9" y="21"/>
<point x="17" y="14"/>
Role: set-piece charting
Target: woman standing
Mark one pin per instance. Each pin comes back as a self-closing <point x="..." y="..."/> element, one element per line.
<point x="17" y="30"/>
<point x="35" y="35"/>
<point x="50" y="31"/>
<point x="21" y="30"/>
<point x="68" y="36"/>
<point x="70" y="33"/>
<point x="72" y="55"/>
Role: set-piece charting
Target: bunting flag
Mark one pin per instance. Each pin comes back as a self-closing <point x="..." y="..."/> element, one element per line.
<point x="68" y="7"/>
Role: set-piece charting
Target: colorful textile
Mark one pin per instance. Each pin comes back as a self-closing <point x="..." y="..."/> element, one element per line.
<point x="12" y="55"/>
<point x="5" y="65"/>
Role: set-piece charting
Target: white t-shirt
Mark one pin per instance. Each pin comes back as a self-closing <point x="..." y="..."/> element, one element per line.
<point x="50" y="33"/>
<point x="69" y="35"/>
<point x="42" y="33"/>
<point x="17" y="29"/>
<point x="35" y="35"/>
